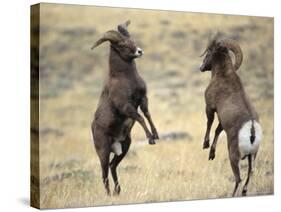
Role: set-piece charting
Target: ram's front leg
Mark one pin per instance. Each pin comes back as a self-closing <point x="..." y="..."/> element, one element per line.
<point x="210" y="118"/>
<point x="212" y="153"/>
<point x="144" y="109"/>
<point x="129" y="110"/>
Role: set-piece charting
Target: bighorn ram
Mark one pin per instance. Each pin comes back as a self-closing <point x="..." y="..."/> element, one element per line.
<point x="225" y="95"/>
<point x="121" y="96"/>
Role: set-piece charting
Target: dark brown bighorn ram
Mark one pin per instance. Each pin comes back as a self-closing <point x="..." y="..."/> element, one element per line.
<point x="225" y="96"/>
<point x="122" y="94"/>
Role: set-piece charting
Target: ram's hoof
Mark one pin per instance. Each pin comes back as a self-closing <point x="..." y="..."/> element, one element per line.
<point x="117" y="190"/>
<point x="151" y="141"/>
<point x="206" y="144"/>
<point x="212" y="155"/>
<point x="244" y="193"/>
<point x="155" y="136"/>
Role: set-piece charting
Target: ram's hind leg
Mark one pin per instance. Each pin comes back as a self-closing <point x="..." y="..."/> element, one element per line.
<point x="250" y="171"/>
<point x="104" y="161"/>
<point x="116" y="160"/>
<point x="103" y="150"/>
<point x="234" y="157"/>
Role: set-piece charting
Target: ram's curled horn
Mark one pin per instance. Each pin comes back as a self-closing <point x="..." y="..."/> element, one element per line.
<point x="122" y="28"/>
<point x="235" y="48"/>
<point x="112" y="36"/>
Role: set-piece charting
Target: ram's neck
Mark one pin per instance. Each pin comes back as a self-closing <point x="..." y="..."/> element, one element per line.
<point x="119" y="66"/>
<point x="222" y="65"/>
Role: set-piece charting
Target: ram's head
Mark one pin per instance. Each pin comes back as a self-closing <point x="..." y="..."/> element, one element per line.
<point x="221" y="46"/>
<point x="121" y="42"/>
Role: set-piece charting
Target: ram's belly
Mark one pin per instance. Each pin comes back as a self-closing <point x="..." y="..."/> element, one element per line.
<point x="125" y="129"/>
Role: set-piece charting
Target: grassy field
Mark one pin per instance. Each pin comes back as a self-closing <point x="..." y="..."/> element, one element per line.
<point x="71" y="81"/>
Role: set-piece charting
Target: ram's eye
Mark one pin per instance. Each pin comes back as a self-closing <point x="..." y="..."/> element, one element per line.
<point x="125" y="47"/>
<point x="130" y="49"/>
<point x="122" y="46"/>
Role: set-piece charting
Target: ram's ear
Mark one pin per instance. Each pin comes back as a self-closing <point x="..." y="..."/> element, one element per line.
<point x="123" y="28"/>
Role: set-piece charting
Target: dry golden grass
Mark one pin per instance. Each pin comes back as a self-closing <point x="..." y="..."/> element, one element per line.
<point x="71" y="80"/>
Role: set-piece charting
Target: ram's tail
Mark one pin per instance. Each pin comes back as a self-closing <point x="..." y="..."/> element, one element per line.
<point x="253" y="133"/>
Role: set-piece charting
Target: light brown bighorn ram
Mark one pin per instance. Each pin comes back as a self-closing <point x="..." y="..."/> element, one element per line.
<point x="225" y="96"/>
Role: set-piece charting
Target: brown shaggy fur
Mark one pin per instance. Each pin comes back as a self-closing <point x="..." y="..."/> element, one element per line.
<point x="225" y="96"/>
<point x="122" y="94"/>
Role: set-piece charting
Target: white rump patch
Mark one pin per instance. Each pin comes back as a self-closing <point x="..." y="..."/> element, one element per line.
<point x="245" y="146"/>
<point x="116" y="148"/>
